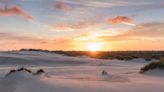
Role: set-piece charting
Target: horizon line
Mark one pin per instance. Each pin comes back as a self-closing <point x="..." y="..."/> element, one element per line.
<point x="80" y="50"/>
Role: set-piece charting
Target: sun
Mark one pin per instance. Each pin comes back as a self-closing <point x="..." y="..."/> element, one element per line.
<point x="95" y="46"/>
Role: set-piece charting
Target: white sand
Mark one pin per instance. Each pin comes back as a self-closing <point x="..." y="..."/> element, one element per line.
<point x="76" y="74"/>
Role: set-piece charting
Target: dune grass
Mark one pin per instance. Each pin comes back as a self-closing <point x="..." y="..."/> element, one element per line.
<point x="153" y="65"/>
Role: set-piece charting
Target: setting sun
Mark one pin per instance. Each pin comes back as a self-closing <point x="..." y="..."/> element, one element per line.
<point x="96" y="46"/>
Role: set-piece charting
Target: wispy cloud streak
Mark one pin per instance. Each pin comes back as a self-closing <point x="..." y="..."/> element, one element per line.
<point x="15" y="10"/>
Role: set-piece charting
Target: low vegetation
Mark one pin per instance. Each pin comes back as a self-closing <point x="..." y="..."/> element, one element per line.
<point x="38" y="72"/>
<point x="153" y="65"/>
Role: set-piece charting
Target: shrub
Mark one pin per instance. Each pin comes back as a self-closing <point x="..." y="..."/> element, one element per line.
<point x="153" y="65"/>
<point x="11" y="71"/>
<point x="40" y="71"/>
<point x="104" y="72"/>
<point x="17" y="70"/>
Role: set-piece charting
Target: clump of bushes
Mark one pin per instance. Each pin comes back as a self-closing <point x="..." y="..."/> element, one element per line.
<point x="38" y="72"/>
<point x="25" y="69"/>
<point x="153" y="65"/>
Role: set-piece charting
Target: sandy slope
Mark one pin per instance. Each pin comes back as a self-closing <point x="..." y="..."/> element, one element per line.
<point x="39" y="58"/>
<point x="84" y="76"/>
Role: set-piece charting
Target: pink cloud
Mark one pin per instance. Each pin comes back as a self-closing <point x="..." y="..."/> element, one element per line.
<point x="122" y="20"/>
<point x="12" y="11"/>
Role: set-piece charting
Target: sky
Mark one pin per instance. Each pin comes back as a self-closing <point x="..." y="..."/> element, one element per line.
<point x="106" y="25"/>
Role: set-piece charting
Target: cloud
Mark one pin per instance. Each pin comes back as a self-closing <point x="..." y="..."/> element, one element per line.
<point x="15" y="37"/>
<point x="14" y="41"/>
<point x="92" y="22"/>
<point x="11" y="11"/>
<point x="148" y="7"/>
<point x="145" y="31"/>
<point x="153" y="30"/>
<point x="78" y="25"/>
<point x="121" y="20"/>
<point x="83" y="3"/>
<point x="62" y="6"/>
<point x="105" y="3"/>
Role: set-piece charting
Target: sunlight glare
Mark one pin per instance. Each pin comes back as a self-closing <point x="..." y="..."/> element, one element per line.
<point x="96" y="46"/>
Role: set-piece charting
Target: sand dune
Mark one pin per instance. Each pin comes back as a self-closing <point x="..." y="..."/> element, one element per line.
<point x="75" y="74"/>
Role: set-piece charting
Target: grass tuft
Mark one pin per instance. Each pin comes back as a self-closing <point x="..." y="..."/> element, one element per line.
<point x="153" y="65"/>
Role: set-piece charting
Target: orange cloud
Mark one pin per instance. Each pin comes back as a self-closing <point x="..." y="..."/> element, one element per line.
<point x="62" y="6"/>
<point x="144" y="31"/>
<point x="11" y="11"/>
<point x="121" y="19"/>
